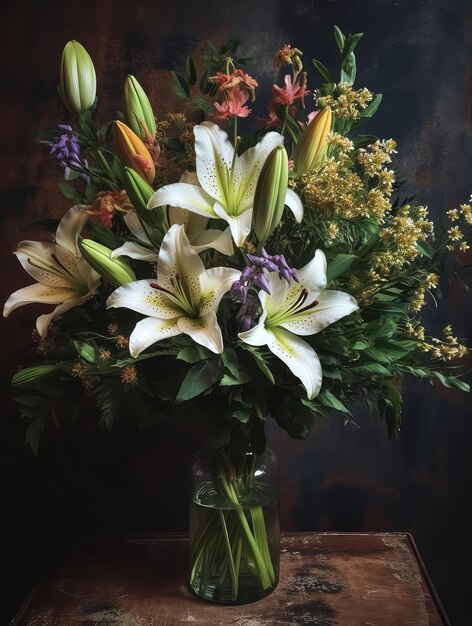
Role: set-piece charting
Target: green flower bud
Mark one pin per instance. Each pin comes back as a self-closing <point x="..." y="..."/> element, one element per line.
<point x="114" y="271"/>
<point x="271" y="191"/>
<point x="139" y="193"/>
<point x="310" y="151"/>
<point x="138" y="111"/>
<point x="77" y="80"/>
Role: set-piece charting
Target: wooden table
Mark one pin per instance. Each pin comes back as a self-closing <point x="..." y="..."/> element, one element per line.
<point x="327" y="579"/>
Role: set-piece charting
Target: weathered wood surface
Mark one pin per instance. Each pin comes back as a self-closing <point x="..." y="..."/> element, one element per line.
<point x="327" y="579"/>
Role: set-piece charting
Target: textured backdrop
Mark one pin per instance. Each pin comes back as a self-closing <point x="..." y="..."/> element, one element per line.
<point x="418" y="54"/>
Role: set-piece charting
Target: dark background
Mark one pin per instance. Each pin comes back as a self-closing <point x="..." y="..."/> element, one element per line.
<point x="418" y="54"/>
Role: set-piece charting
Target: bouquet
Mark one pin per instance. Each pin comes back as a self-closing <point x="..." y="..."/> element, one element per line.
<point x="235" y="271"/>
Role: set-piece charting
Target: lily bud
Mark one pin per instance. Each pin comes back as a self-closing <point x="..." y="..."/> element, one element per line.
<point x="116" y="272"/>
<point x="77" y="80"/>
<point x="271" y="191"/>
<point x="310" y="151"/>
<point x="138" y="110"/>
<point x="139" y="193"/>
<point x="132" y="152"/>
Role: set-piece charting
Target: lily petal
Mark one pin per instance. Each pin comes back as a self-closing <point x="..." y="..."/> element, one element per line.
<point x="185" y="196"/>
<point x="220" y="240"/>
<point x="43" y="321"/>
<point x="151" y="330"/>
<point x="204" y="330"/>
<point x="258" y="335"/>
<point x="299" y="357"/>
<point x="331" y="307"/>
<point x="132" y="222"/>
<point x="214" y="283"/>
<point x="38" y="259"/>
<point x="70" y="227"/>
<point x="43" y="294"/>
<point x="240" y="225"/>
<point x="313" y="275"/>
<point x="192" y="222"/>
<point x="179" y="268"/>
<point x="294" y="204"/>
<point x="135" y="251"/>
<point x="139" y="296"/>
<point x="214" y="157"/>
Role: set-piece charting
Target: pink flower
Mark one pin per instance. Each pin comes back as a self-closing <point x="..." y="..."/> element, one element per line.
<point x="232" y="106"/>
<point x="291" y="92"/>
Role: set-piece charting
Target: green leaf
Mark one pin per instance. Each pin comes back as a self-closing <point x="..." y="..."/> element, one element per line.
<point x="372" y="107"/>
<point x="339" y="265"/>
<point x="32" y="401"/>
<point x="30" y="374"/>
<point x="87" y="351"/>
<point x="230" y="45"/>
<point x="190" y="72"/>
<point x="390" y="402"/>
<point x="323" y="71"/>
<point x="362" y="141"/>
<point x="199" y="378"/>
<point x="70" y="193"/>
<point x="370" y="369"/>
<point x="204" y="105"/>
<point x="330" y="401"/>
<point x="340" y="38"/>
<point x="242" y="415"/>
<point x="260" y="362"/>
<point x="105" y="236"/>
<point x="349" y="45"/>
<point x="296" y="418"/>
<point x="181" y="86"/>
<point x="384" y="327"/>
<point x="193" y="354"/>
<point x="33" y="434"/>
<point x="425" y="248"/>
<point x="390" y="351"/>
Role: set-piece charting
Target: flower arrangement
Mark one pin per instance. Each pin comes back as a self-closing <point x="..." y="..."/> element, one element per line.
<point x="232" y="271"/>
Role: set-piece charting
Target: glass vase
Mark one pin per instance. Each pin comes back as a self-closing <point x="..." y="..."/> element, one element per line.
<point x="234" y="526"/>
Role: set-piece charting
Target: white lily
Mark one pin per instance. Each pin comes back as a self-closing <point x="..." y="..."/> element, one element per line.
<point x="184" y="300"/>
<point x="200" y="237"/>
<point x="64" y="277"/>
<point x="227" y="182"/>
<point x="302" y="308"/>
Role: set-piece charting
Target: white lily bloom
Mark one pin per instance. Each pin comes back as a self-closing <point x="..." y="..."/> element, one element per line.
<point x="302" y="308"/>
<point x="64" y="277"/>
<point x="183" y="299"/>
<point x="227" y="182"/>
<point x="200" y="237"/>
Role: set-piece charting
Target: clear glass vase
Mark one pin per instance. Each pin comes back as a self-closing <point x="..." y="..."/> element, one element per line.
<point x="234" y="526"/>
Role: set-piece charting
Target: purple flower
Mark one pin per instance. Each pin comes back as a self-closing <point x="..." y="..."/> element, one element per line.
<point x="248" y="314"/>
<point x="255" y="275"/>
<point x="66" y="148"/>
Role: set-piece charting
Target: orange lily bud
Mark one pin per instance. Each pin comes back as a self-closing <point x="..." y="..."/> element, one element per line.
<point x="310" y="151"/>
<point x="132" y="152"/>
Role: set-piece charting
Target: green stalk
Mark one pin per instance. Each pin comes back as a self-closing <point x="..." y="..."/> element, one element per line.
<point x="229" y="559"/>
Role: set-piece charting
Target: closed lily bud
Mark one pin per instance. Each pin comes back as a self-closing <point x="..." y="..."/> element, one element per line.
<point x="310" y="151"/>
<point x="77" y="80"/>
<point x="139" y="192"/>
<point x="271" y="191"/>
<point x="132" y="152"/>
<point x="138" y="111"/>
<point x="116" y="272"/>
